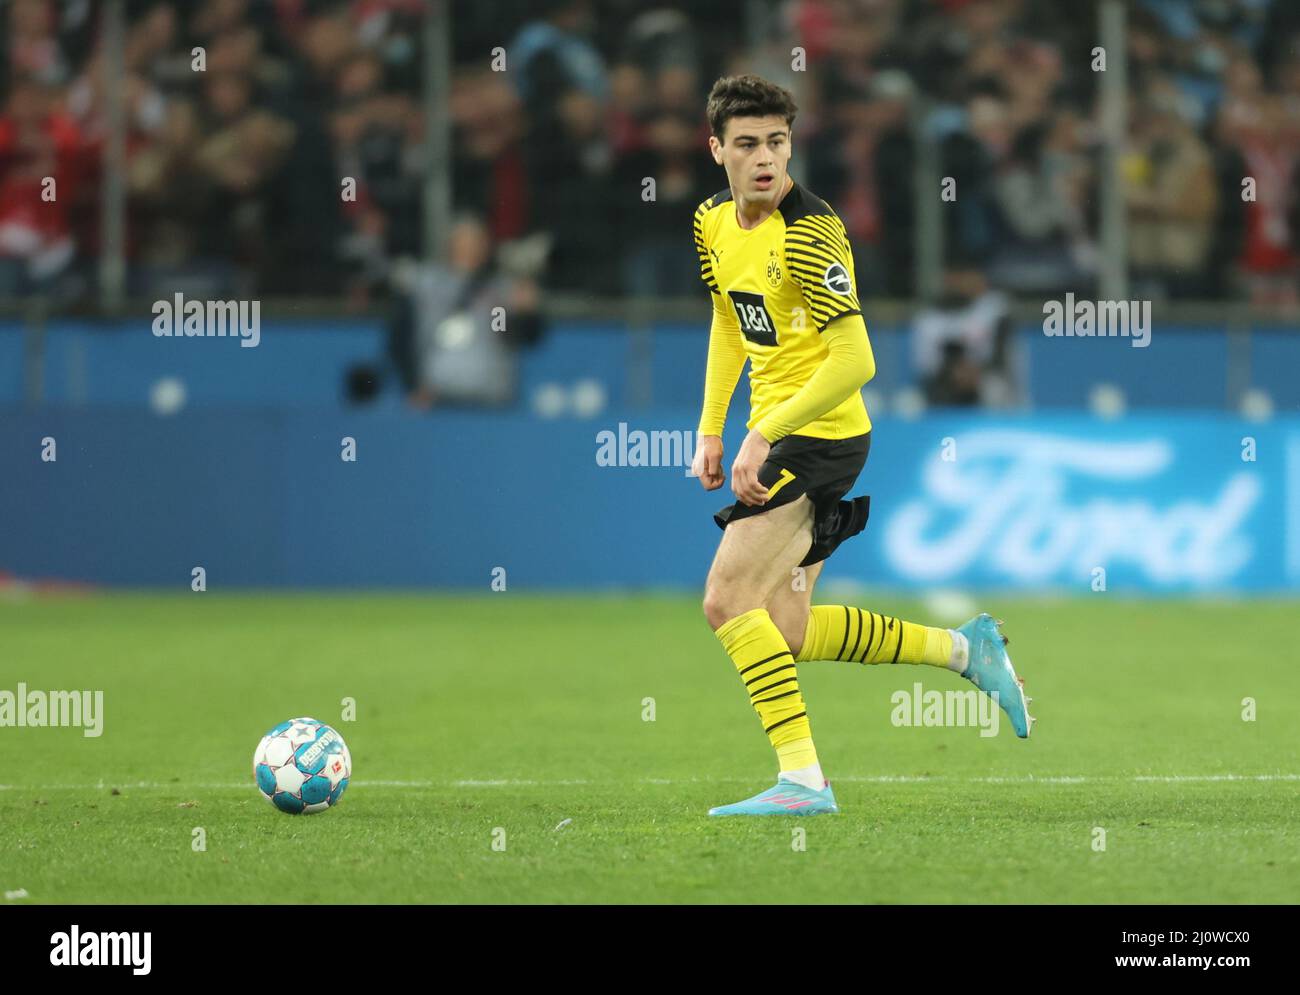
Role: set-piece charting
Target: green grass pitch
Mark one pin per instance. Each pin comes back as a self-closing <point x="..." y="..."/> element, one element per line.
<point x="522" y="715"/>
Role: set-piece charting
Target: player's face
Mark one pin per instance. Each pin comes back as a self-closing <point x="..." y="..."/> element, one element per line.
<point x="755" y="152"/>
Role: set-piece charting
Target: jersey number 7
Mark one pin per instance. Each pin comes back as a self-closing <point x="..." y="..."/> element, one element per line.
<point x="755" y="322"/>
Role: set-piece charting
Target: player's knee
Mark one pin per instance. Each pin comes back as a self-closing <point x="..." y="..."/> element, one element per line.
<point x="721" y="605"/>
<point x="715" y="610"/>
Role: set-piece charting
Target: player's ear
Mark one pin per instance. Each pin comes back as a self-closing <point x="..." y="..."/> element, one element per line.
<point x="715" y="147"/>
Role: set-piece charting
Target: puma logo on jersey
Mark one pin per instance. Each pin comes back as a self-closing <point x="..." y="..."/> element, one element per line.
<point x="717" y="256"/>
<point x="836" y="280"/>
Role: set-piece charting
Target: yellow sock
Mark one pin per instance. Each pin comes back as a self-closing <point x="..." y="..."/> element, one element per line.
<point x="766" y="665"/>
<point x="838" y="632"/>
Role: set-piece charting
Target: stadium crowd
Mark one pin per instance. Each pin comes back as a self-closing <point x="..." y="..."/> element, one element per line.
<point x="562" y="108"/>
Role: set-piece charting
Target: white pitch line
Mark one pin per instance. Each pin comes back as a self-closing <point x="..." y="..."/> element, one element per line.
<point x="526" y="783"/>
<point x="1220" y="777"/>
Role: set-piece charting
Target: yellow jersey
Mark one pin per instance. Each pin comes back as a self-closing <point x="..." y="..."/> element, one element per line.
<point x="775" y="288"/>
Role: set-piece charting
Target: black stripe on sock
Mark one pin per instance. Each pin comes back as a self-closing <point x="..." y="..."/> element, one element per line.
<point x="857" y="638"/>
<point x="774" y="670"/>
<point x="840" y="655"/>
<point x="900" y="642"/>
<point x="776" y="725"/>
<point x="783" y="694"/>
<point x="870" y="638"/>
<point x="774" y="684"/>
<point x="768" y="660"/>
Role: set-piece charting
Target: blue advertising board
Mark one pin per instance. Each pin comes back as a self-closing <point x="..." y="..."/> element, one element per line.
<point x="1162" y="503"/>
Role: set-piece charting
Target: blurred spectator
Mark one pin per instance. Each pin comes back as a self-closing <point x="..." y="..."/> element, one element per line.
<point x="41" y="167"/>
<point x="863" y="164"/>
<point x="1257" y="126"/>
<point x="961" y="347"/>
<point x="1042" y="191"/>
<point x="459" y="322"/>
<point x="569" y="161"/>
<point x="490" y="174"/>
<point x="373" y="131"/>
<point x="33" y="47"/>
<point x="678" y="165"/>
<point x="1172" y="202"/>
<point x="242" y="147"/>
<point x="552" y="55"/>
<point x="972" y="158"/>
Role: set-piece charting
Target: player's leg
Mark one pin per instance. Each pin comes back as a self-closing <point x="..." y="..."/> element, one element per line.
<point x="859" y="635"/>
<point x="756" y="555"/>
<point x="976" y="650"/>
<point x="790" y="603"/>
<point x="843" y="632"/>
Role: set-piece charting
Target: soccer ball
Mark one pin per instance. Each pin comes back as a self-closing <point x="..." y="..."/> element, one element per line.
<point x="302" y="766"/>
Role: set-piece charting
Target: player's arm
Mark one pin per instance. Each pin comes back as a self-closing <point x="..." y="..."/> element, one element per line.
<point x="848" y="365"/>
<point x="726" y="360"/>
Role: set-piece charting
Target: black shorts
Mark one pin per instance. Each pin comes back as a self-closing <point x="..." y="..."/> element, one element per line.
<point x="824" y="469"/>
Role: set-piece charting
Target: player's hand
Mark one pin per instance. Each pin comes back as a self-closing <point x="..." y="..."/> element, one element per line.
<point x="707" y="464"/>
<point x="744" y="471"/>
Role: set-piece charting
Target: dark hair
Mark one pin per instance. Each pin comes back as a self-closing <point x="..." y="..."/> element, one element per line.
<point x="747" y="96"/>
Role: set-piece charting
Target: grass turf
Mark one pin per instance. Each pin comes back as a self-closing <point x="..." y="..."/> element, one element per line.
<point x="515" y="713"/>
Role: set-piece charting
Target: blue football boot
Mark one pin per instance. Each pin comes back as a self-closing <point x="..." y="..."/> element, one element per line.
<point x="990" y="670"/>
<point x="784" y="798"/>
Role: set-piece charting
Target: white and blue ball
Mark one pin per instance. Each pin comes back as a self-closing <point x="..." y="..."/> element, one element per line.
<point x="302" y="766"/>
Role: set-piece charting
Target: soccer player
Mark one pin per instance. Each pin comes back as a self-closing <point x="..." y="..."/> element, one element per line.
<point x="778" y="263"/>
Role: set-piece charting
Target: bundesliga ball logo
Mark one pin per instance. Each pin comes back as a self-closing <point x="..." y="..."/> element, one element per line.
<point x="302" y="766"/>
